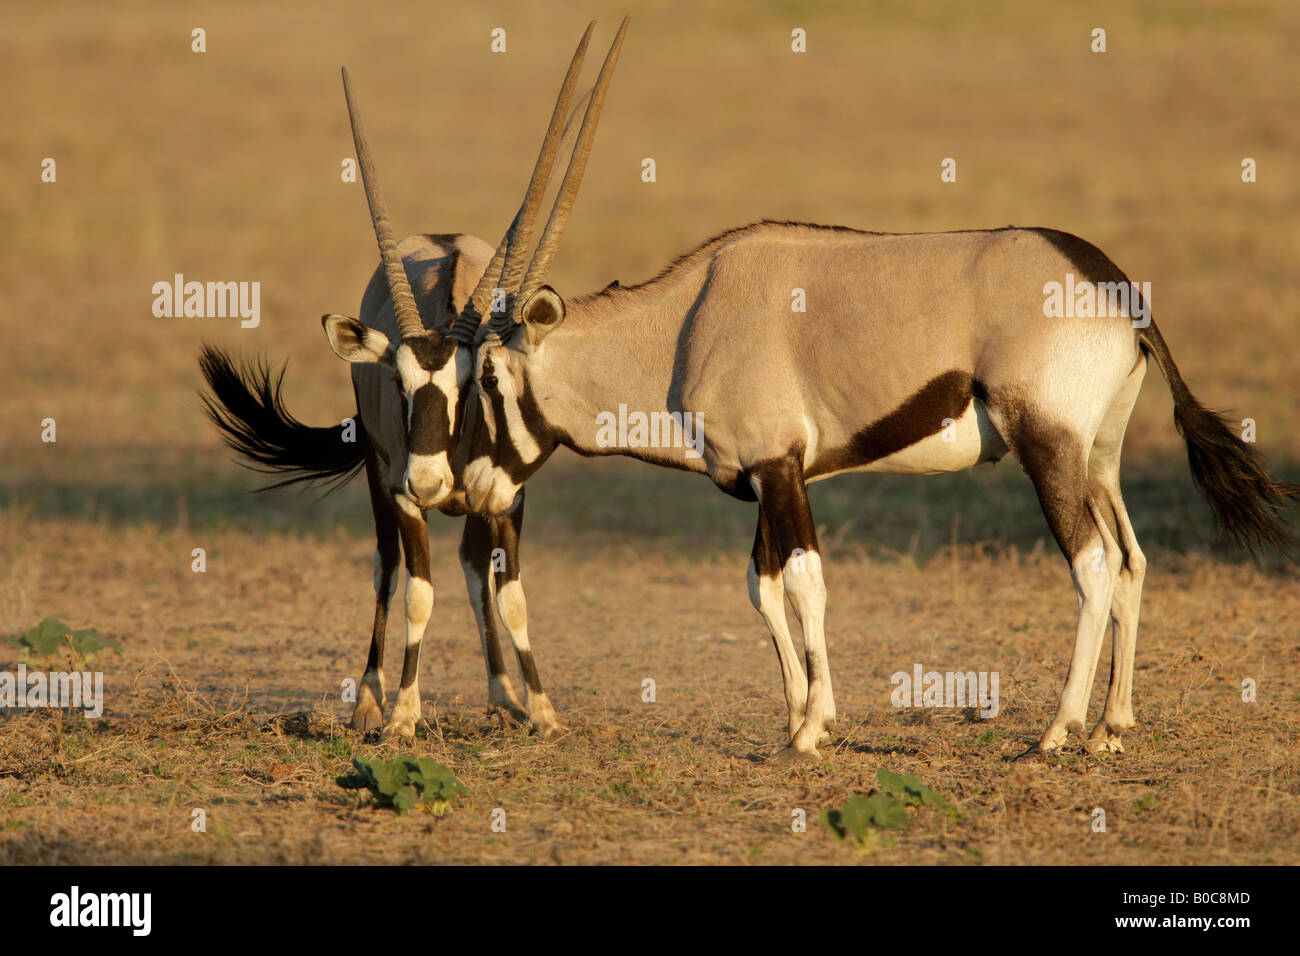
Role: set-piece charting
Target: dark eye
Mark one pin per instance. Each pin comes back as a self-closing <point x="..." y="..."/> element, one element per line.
<point x="490" y="382"/>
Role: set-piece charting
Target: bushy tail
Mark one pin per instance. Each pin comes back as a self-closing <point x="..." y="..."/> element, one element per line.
<point x="1248" y="505"/>
<point x="245" y="404"/>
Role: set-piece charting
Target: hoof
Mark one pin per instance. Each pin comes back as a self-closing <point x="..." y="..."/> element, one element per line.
<point x="366" y="717"/>
<point x="550" y="732"/>
<point x="544" y="721"/>
<point x="399" y="733"/>
<point x="1034" y="754"/>
<point x="1105" y="739"/>
<point x="511" y="713"/>
<point x="822" y="739"/>
<point x="503" y="700"/>
<point x="1051" y="741"/>
<point x="788" y="757"/>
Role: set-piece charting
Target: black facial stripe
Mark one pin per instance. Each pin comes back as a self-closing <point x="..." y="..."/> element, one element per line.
<point x="431" y="352"/>
<point x="504" y="455"/>
<point x="428" y="431"/>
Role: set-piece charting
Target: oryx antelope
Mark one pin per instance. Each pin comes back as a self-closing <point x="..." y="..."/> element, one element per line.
<point x="918" y="354"/>
<point x="410" y="361"/>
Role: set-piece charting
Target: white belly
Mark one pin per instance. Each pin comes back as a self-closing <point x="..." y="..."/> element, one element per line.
<point x="962" y="443"/>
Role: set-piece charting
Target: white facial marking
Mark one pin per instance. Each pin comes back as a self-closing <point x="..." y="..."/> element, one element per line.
<point x="521" y="439"/>
<point x="430" y="476"/>
<point x="447" y="380"/>
<point x="412" y="373"/>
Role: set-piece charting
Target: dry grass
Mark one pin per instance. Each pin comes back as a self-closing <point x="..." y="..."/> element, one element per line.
<point x="1207" y="778"/>
<point x="225" y="166"/>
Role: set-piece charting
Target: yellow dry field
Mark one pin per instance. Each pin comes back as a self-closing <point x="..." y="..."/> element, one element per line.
<point x="225" y="165"/>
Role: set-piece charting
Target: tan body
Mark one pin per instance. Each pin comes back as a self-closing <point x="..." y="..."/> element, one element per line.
<point x="916" y="354"/>
<point x="859" y="352"/>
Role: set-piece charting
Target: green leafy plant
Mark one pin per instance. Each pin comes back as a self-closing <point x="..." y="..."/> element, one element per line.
<point x="51" y="643"/>
<point x="405" y="782"/>
<point x="912" y="792"/>
<point x="863" y="819"/>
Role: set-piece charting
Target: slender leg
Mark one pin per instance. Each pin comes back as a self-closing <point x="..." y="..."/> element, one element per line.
<point x="419" y="605"/>
<point x="514" y="615"/>
<point x="369" y="711"/>
<point x="1056" y="462"/>
<point x="1124" y="610"/>
<point x="784" y="499"/>
<point x="767" y="594"/>
<point x="1103" y="477"/>
<point x="476" y="561"/>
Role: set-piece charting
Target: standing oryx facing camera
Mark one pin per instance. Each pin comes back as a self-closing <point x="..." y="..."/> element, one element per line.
<point x="411" y="363"/>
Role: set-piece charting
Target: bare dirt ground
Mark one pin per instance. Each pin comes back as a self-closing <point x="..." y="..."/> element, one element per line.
<point x="226" y="694"/>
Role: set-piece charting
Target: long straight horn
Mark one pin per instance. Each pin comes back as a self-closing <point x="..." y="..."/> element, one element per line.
<point x="550" y="241"/>
<point x="404" y="307"/>
<point x="466" y="326"/>
<point x="507" y="263"/>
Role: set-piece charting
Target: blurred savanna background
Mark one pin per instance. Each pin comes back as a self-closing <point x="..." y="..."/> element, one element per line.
<point x="225" y="166"/>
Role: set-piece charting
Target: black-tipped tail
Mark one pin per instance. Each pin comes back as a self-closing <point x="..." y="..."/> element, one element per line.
<point x="1248" y="505"/>
<point x="245" y="404"/>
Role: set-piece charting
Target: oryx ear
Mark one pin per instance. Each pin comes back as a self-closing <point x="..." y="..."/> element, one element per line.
<point x="353" y="342"/>
<point x="542" y="315"/>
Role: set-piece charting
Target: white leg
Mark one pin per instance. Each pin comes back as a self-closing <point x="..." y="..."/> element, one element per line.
<point x="1118" y="715"/>
<point x="767" y="594"/>
<point x="513" y="609"/>
<point x="419" y="605"/>
<point x="807" y="589"/>
<point x="482" y="598"/>
<point x="1094" y="579"/>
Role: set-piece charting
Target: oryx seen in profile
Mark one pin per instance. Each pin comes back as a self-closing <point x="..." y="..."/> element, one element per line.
<point x="410" y="362"/>
<point x="917" y="354"/>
